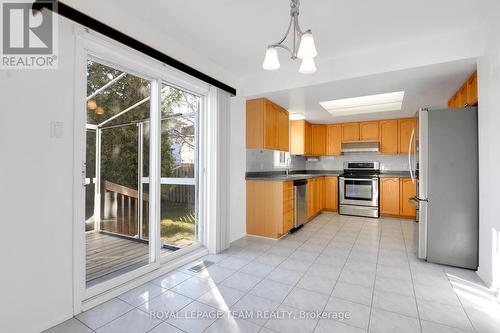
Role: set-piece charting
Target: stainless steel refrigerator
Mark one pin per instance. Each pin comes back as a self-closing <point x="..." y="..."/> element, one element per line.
<point x="444" y="163"/>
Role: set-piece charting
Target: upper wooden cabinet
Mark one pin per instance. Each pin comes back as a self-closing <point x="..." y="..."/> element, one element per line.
<point x="318" y="133"/>
<point x="368" y="131"/>
<point x="389" y="196"/>
<point x="388" y="136"/>
<point x="466" y="95"/>
<point x="407" y="189"/>
<point x="333" y="139"/>
<point x="406" y="130"/>
<point x="300" y="137"/>
<point x="472" y="90"/>
<point x="283" y="129"/>
<point x="350" y="132"/>
<point x="267" y="125"/>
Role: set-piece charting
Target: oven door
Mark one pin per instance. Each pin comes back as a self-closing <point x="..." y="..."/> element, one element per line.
<point x="358" y="191"/>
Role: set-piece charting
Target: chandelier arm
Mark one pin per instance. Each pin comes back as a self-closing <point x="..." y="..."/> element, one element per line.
<point x="286" y="33"/>
<point x="283" y="47"/>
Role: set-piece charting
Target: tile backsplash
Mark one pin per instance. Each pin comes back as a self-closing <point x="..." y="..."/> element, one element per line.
<point x="263" y="160"/>
<point x="387" y="162"/>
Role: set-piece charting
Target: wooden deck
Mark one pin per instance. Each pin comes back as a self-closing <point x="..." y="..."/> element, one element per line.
<point x="109" y="256"/>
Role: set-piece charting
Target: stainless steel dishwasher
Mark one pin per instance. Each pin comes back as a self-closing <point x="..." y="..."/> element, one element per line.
<point x="300" y="202"/>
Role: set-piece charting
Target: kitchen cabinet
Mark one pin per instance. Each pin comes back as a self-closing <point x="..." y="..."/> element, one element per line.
<point x="300" y="137"/>
<point x="462" y="96"/>
<point x="369" y="131"/>
<point x="333" y="139"/>
<point x="267" y="125"/>
<point x="407" y="189"/>
<point x="283" y="128"/>
<point x="389" y="196"/>
<point x="388" y="135"/>
<point x="269" y="208"/>
<point x="406" y="130"/>
<point x="350" y="132"/>
<point x="331" y="193"/>
<point x="311" y="190"/>
<point x="466" y="95"/>
<point x="472" y="90"/>
<point x="315" y="196"/>
<point x="318" y="141"/>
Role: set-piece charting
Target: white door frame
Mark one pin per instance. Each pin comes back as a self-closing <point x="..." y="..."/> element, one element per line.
<point x="89" y="44"/>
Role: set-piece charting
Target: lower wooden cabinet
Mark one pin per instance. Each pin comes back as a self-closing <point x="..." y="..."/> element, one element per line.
<point x="395" y="194"/>
<point x="331" y="193"/>
<point x="407" y="189"/>
<point x="269" y="208"/>
<point x="389" y="196"/>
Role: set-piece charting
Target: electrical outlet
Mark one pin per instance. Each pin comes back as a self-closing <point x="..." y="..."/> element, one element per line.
<point x="56" y="129"/>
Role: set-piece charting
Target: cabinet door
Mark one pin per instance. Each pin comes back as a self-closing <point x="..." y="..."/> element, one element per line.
<point x="308" y="139"/>
<point x="333" y="139"/>
<point x="297" y="137"/>
<point x="321" y="194"/>
<point x="318" y="140"/>
<point x="407" y="190"/>
<point x="389" y="196"/>
<point x="406" y="128"/>
<point x="462" y="96"/>
<point x="368" y="131"/>
<point x="472" y="90"/>
<point x="283" y="129"/>
<point x="388" y="136"/>
<point x="310" y="198"/>
<point x="255" y="124"/>
<point x="350" y="132"/>
<point x="331" y="193"/>
<point x="270" y="126"/>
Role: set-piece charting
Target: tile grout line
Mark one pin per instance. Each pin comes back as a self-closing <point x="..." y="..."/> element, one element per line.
<point x="411" y="277"/>
<point x="375" y="279"/>
<point x="340" y="273"/>
<point x="295" y="285"/>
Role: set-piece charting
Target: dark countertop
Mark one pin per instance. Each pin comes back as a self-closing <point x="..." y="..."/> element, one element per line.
<point x="281" y="176"/>
<point x="394" y="174"/>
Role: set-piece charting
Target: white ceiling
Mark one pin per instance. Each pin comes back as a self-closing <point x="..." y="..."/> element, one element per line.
<point x="429" y="86"/>
<point x="234" y="33"/>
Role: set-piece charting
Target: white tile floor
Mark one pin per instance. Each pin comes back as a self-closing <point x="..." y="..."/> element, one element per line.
<point x="364" y="269"/>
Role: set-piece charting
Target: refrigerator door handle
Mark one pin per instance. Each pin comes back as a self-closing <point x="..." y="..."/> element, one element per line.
<point x="409" y="157"/>
<point x="417" y="199"/>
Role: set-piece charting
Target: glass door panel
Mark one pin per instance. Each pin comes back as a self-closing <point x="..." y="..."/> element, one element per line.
<point x="179" y="168"/>
<point x="117" y="106"/>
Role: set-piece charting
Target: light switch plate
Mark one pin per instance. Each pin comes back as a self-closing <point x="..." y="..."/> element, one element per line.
<point x="56" y="129"/>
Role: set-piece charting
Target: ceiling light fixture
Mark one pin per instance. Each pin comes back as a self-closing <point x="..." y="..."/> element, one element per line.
<point x="296" y="116"/>
<point x="302" y="45"/>
<point x="365" y="104"/>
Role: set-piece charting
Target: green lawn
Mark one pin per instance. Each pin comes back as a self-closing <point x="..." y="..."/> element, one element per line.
<point x="177" y="224"/>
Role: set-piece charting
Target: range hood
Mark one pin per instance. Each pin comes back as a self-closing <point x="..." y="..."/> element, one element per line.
<point x="359" y="146"/>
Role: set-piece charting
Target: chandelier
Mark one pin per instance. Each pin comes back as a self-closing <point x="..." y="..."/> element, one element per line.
<point x="302" y="45"/>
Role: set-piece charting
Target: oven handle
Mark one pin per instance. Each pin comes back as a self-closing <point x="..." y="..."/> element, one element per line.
<point x="363" y="179"/>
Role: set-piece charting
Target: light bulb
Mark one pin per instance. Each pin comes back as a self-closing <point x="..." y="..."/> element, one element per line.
<point x="271" y="61"/>
<point x="307" y="49"/>
<point x="307" y="66"/>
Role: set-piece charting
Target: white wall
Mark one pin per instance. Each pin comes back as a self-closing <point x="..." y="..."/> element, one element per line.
<point x="36" y="182"/>
<point x="237" y="167"/>
<point x="36" y="178"/>
<point x="489" y="153"/>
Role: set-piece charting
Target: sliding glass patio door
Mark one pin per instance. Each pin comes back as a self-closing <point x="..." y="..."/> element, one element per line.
<point x="126" y="229"/>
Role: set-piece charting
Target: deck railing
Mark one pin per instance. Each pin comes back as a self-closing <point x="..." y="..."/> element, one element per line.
<point x="121" y="209"/>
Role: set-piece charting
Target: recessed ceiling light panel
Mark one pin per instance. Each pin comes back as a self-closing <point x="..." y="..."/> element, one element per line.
<point x="296" y="116"/>
<point x="365" y="104"/>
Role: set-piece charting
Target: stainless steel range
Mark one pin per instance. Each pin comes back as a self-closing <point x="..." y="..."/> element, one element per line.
<point x="359" y="189"/>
